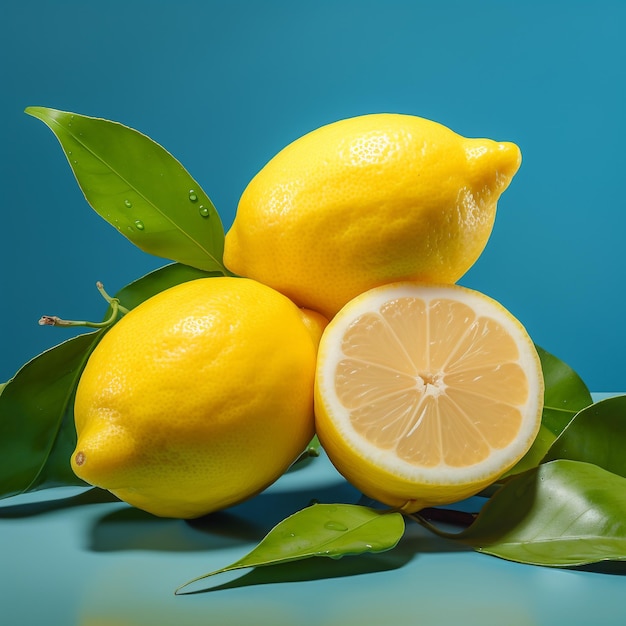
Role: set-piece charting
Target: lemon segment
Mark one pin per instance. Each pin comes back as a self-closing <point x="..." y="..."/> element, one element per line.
<point x="367" y="201"/>
<point x="425" y="394"/>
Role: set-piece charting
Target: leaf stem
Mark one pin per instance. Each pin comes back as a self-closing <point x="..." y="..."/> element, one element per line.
<point x="100" y="287"/>
<point x="53" y="320"/>
<point x="114" y="303"/>
<point x="448" y="516"/>
<point x="425" y="517"/>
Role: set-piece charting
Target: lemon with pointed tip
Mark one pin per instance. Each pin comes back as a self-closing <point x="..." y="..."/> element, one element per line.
<point x="366" y="201"/>
<point x="198" y="398"/>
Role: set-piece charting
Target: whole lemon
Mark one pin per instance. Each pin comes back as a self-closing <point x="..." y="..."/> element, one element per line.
<point x="367" y="201"/>
<point x="198" y="398"/>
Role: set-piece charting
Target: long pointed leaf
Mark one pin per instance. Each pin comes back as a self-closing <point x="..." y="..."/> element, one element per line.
<point x="597" y="435"/>
<point x="330" y="530"/>
<point x="560" y="514"/>
<point x="37" y="433"/>
<point x="139" y="188"/>
<point x="158" y="280"/>
<point x="565" y="392"/>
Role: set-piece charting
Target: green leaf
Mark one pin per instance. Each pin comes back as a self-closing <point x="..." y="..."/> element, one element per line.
<point x="159" y="280"/>
<point x="139" y="188"/>
<point x="596" y="435"/>
<point x="37" y="433"/>
<point x="330" y="530"/>
<point x="563" y="513"/>
<point x="565" y="394"/>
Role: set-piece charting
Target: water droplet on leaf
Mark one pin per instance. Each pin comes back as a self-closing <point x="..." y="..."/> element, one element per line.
<point x="193" y="196"/>
<point x="128" y="204"/>
<point x="204" y="211"/>
<point x="335" y="526"/>
<point x="139" y="225"/>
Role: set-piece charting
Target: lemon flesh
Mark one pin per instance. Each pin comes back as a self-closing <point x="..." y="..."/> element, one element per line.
<point x="426" y="394"/>
<point x="367" y="201"/>
<point x="199" y="398"/>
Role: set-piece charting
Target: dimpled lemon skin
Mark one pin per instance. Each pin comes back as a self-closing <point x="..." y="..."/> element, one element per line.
<point x="367" y="201"/>
<point x="198" y="398"/>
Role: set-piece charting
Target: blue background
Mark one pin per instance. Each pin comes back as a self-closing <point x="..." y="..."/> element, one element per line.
<point x="225" y="85"/>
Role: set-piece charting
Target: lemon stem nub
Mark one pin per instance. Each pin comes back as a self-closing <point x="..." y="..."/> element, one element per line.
<point x="79" y="459"/>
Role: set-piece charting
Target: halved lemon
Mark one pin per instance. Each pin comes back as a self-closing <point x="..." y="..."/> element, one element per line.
<point x="426" y="394"/>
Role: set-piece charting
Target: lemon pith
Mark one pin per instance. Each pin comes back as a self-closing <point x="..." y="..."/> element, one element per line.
<point x="426" y="394"/>
<point x="367" y="201"/>
<point x="198" y="398"/>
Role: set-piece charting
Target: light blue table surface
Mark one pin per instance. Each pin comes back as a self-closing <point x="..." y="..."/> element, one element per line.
<point x="71" y="556"/>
